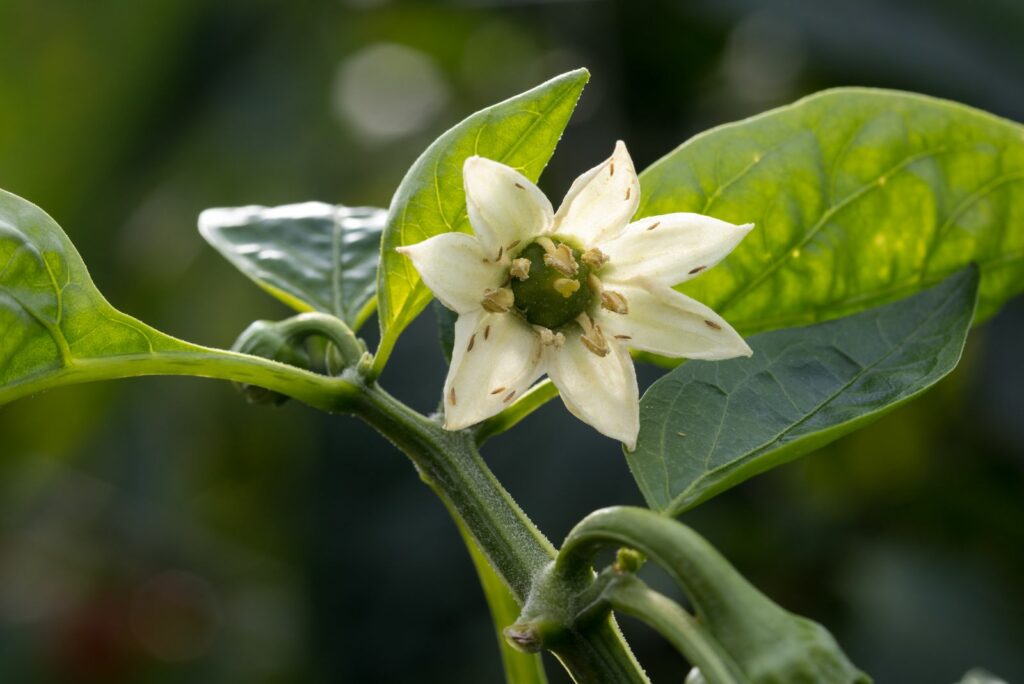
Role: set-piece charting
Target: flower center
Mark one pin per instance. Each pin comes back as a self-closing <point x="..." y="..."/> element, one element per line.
<point x="556" y="287"/>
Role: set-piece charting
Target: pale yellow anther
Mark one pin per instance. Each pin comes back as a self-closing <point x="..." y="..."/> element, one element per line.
<point x="614" y="302"/>
<point x="520" y="269"/>
<point x="498" y="301"/>
<point x="592" y="337"/>
<point x="562" y="261"/>
<point x="566" y="286"/>
<point x="549" y="338"/>
<point x="594" y="258"/>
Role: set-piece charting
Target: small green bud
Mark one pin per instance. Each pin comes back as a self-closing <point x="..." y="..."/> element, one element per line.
<point x="628" y="560"/>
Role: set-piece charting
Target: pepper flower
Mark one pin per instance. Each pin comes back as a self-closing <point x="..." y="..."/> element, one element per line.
<point x="568" y="293"/>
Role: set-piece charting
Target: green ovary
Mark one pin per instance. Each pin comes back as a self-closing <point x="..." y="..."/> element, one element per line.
<point x="538" y="300"/>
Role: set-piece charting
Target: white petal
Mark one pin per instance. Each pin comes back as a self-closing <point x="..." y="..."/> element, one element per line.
<point x="598" y="390"/>
<point x="503" y="205"/>
<point x="600" y="202"/>
<point x="455" y="269"/>
<point x="495" y="359"/>
<point x="666" y="322"/>
<point x="672" y="248"/>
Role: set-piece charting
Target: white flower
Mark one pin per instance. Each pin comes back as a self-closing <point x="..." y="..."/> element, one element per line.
<point x="566" y="293"/>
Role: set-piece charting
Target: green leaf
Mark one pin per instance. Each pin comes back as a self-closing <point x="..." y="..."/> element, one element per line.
<point x="57" y="329"/>
<point x="521" y="132"/>
<point x="859" y="197"/>
<point x="706" y="427"/>
<point x="311" y="256"/>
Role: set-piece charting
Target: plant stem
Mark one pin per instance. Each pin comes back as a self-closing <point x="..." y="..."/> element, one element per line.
<point x="630" y="596"/>
<point x="450" y="464"/>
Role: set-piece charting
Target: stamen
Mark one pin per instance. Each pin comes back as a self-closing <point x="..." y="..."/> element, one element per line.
<point x="697" y="270"/>
<point x="592" y="337"/>
<point x="594" y="258"/>
<point x="565" y="286"/>
<point x="614" y="302"/>
<point x="498" y="390"/>
<point x="547" y="244"/>
<point x="548" y="338"/>
<point x="712" y="325"/>
<point x="498" y="301"/>
<point x="595" y="283"/>
<point x="472" y="341"/>
<point x="520" y="269"/>
<point x="562" y="260"/>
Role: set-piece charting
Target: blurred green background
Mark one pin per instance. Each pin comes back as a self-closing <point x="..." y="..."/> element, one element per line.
<point x="160" y="530"/>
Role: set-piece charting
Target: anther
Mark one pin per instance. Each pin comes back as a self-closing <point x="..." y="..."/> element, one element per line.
<point x="712" y="325"/>
<point x="549" y="338"/>
<point x="594" y="258"/>
<point x="592" y="337"/>
<point x="562" y="261"/>
<point x="565" y="286"/>
<point x="520" y="269"/>
<point x="614" y="302"/>
<point x="498" y="301"/>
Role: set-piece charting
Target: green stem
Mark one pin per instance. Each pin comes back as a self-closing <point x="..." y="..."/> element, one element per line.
<point x="515" y="548"/>
<point x="630" y="596"/>
<point x="538" y="395"/>
<point x="332" y="394"/>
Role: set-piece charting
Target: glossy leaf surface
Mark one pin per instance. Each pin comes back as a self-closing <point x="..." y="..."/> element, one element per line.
<point x="859" y="197"/>
<point x="707" y="426"/>
<point x="311" y="256"/>
<point x="520" y="132"/>
<point x="57" y="329"/>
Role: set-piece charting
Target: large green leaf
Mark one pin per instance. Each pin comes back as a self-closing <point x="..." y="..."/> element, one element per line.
<point x="859" y="197"/>
<point x="706" y="427"/>
<point x="311" y="256"/>
<point x="57" y="329"/>
<point x="521" y="132"/>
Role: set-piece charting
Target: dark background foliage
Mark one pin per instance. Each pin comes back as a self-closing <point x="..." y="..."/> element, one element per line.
<point x="161" y="530"/>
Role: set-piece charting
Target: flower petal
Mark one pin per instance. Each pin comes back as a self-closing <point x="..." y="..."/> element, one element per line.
<point x="495" y="359"/>
<point x="599" y="390"/>
<point x="672" y="248"/>
<point x="455" y="269"/>
<point x="600" y="202"/>
<point x="666" y="322"/>
<point x="503" y="205"/>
